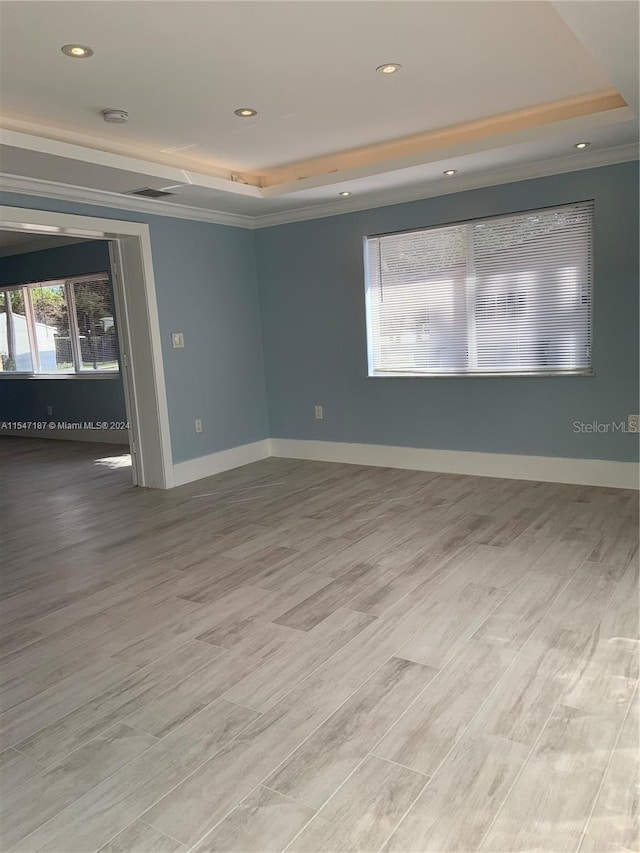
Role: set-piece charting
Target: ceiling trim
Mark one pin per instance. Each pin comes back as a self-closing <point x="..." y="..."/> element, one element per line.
<point x="384" y="198"/>
<point x="84" y="154"/>
<point x="580" y="128"/>
<point x="461" y="183"/>
<point x="447" y="138"/>
<point x="120" y="201"/>
<point x="97" y="149"/>
<point x="368" y="159"/>
<point x="578" y="114"/>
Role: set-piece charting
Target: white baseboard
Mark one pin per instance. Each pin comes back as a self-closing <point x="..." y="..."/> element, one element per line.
<point x="551" y="469"/>
<point x="103" y="436"/>
<point x="224" y="460"/>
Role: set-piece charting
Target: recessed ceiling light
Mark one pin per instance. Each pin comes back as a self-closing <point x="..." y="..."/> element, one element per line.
<point x="344" y="194"/>
<point x="582" y="145"/>
<point x="450" y="172"/>
<point x="77" y="51"/>
<point x="245" y="112"/>
<point x="389" y="68"/>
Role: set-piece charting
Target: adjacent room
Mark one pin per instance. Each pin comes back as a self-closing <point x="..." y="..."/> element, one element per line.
<point x="58" y="323"/>
<point x="319" y="431"/>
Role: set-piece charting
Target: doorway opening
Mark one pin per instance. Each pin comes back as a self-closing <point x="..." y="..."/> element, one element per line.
<point x="97" y="330"/>
<point x="60" y="361"/>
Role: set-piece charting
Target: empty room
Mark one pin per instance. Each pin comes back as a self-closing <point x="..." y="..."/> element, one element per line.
<point x="319" y="426"/>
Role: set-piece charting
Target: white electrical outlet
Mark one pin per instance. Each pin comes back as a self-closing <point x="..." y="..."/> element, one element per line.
<point x="633" y="423"/>
<point x="177" y="340"/>
<point x="319" y="412"/>
<point x="198" y="425"/>
<point x="49" y="410"/>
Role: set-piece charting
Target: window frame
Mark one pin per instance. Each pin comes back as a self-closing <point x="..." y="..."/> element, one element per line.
<point x="78" y="371"/>
<point x="404" y="374"/>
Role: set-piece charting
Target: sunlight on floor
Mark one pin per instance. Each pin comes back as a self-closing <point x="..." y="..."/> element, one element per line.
<point x="123" y="461"/>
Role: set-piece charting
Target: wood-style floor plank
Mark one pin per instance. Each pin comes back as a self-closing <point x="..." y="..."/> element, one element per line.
<point x="54" y="741"/>
<point x="523" y="700"/>
<point x="140" y="838"/>
<point x="15" y="768"/>
<point x="314" y="657"/>
<point x="428" y="729"/>
<point x="363" y="811"/>
<point x="42" y="796"/>
<point x="616" y="815"/>
<point x="457" y="807"/>
<point x="97" y="816"/>
<point x="270" y="682"/>
<point x="548" y="807"/>
<point x="515" y="619"/>
<point x="325" y="760"/>
<point x="193" y="807"/>
<point x="164" y="713"/>
<point x="265" y="821"/>
<point x="47" y="707"/>
<point x="448" y="624"/>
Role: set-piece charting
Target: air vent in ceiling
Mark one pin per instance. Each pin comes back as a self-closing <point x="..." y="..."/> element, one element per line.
<point x="147" y="192"/>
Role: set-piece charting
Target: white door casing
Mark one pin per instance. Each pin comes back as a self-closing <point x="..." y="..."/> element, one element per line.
<point x="138" y="326"/>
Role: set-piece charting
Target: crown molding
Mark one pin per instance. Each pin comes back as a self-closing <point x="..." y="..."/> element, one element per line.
<point x="488" y="178"/>
<point x="492" y="177"/>
<point x="119" y="201"/>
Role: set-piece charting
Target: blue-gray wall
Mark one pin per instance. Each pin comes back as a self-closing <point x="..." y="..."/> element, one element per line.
<point x="310" y="300"/>
<point x="206" y="287"/>
<point x="90" y="256"/>
<point x="311" y="283"/>
<point x="72" y="400"/>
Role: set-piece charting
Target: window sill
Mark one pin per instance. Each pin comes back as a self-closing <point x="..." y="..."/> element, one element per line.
<point x="532" y="375"/>
<point x="99" y="374"/>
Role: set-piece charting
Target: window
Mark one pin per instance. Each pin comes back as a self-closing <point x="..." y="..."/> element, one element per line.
<point x="510" y="295"/>
<point x="58" y="327"/>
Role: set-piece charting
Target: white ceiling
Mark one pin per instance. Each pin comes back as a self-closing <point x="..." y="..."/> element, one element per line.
<point x="477" y="92"/>
<point x="19" y="242"/>
<point x="308" y="68"/>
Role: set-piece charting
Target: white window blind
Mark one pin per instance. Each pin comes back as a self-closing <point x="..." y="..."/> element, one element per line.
<point x="509" y="295"/>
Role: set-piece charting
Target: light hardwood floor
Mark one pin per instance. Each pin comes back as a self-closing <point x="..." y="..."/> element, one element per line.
<point x="314" y="658"/>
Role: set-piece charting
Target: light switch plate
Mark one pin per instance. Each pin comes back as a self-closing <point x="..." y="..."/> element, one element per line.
<point x="177" y="340"/>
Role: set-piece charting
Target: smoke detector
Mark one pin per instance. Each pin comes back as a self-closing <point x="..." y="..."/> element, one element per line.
<point x="115" y="116"/>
